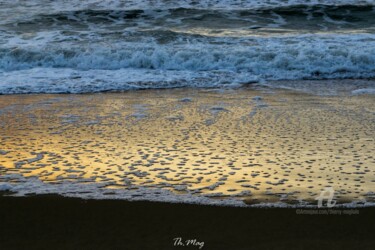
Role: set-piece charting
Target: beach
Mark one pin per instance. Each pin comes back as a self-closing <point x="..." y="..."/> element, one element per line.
<point x="239" y="147"/>
<point x="188" y="169"/>
<point x="212" y="124"/>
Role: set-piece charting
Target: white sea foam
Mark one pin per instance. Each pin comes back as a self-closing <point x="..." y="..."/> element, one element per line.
<point x="368" y="91"/>
<point x="5" y="187"/>
<point x="47" y="80"/>
<point x="45" y="66"/>
<point x="33" y="186"/>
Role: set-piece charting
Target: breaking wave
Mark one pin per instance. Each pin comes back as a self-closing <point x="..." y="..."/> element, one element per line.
<point x="90" y="46"/>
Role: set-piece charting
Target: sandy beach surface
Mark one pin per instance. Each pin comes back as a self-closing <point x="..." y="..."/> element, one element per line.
<point x="237" y="155"/>
<point x="237" y="147"/>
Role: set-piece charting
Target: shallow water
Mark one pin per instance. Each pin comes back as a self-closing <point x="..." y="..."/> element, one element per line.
<point x="219" y="146"/>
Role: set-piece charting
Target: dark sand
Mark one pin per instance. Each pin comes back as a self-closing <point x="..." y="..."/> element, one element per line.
<point x="52" y="222"/>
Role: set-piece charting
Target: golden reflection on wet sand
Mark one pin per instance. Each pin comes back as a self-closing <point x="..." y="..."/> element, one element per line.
<point x="251" y="144"/>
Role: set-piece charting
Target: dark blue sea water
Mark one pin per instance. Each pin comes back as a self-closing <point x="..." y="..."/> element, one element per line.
<point x="91" y="46"/>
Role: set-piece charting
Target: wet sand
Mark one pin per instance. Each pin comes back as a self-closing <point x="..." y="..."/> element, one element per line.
<point x="51" y="222"/>
<point x="247" y="145"/>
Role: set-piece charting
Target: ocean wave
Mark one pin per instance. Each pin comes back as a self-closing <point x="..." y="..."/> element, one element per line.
<point x="90" y="46"/>
<point x="13" y="11"/>
<point x="283" y="58"/>
<point x="168" y="4"/>
<point x="300" y="18"/>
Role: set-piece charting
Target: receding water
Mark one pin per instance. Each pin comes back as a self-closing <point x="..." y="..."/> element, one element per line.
<point x="226" y="147"/>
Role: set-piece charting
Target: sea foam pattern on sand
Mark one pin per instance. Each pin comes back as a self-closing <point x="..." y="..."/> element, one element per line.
<point x="240" y="147"/>
<point x="93" y="46"/>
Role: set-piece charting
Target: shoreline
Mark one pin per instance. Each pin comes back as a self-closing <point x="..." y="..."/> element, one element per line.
<point x="49" y="221"/>
<point x="250" y="145"/>
<point x="325" y="87"/>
